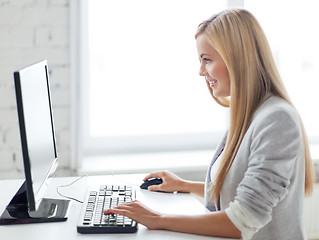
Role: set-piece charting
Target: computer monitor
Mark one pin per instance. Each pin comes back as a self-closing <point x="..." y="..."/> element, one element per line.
<point x="39" y="151"/>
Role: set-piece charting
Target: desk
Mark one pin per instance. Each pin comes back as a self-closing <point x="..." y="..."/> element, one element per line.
<point x="180" y="203"/>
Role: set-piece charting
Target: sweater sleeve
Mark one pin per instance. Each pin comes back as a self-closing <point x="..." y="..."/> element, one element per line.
<point x="276" y="143"/>
<point x="247" y="223"/>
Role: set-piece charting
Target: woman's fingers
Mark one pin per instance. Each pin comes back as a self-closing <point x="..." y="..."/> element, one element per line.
<point x="155" y="188"/>
<point x="138" y="212"/>
<point x="121" y="209"/>
<point x="153" y="175"/>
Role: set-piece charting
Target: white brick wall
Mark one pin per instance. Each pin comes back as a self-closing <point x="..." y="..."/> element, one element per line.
<point x="32" y="30"/>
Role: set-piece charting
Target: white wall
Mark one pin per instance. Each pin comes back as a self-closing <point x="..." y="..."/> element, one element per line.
<point x="32" y="30"/>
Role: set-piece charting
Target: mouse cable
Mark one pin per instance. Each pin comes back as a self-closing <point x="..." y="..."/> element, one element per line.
<point x="122" y="180"/>
<point x="68" y="185"/>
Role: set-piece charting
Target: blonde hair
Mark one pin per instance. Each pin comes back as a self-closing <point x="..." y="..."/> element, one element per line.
<point x="239" y="39"/>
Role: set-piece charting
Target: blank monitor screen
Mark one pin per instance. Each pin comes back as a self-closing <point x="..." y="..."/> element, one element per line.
<point x="36" y="127"/>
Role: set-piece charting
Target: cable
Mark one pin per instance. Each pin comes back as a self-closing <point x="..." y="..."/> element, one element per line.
<point x="85" y="175"/>
<point x="121" y="180"/>
<point x="68" y="185"/>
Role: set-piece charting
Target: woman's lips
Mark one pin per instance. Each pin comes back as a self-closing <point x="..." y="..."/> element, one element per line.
<point x="212" y="82"/>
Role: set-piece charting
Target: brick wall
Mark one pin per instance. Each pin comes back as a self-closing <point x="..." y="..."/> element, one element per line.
<point x="32" y="30"/>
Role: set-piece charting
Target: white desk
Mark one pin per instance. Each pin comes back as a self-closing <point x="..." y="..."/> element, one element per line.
<point x="180" y="203"/>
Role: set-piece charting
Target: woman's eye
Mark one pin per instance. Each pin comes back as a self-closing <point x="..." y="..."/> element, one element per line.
<point x="206" y="60"/>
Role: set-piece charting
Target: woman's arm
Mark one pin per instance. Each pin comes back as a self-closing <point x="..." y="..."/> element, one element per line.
<point x="194" y="187"/>
<point x="210" y="224"/>
<point x="172" y="183"/>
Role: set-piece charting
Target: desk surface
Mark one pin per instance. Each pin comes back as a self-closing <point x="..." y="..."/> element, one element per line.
<point x="178" y="203"/>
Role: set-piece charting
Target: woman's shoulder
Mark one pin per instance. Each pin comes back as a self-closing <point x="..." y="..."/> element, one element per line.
<point x="276" y="108"/>
<point x="276" y="114"/>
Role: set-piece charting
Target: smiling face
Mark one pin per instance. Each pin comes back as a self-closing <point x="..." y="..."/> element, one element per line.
<point x="213" y="68"/>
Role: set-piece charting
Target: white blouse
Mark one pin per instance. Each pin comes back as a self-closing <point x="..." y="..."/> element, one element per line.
<point x="215" y="167"/>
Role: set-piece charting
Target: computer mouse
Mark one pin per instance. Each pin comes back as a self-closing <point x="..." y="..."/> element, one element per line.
<point x="151" y="181"/>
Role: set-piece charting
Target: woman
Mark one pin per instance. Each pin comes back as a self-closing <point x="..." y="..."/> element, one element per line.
<point x="256" y="182"/>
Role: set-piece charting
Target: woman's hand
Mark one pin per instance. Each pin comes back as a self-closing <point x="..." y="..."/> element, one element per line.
<point x="138" y="212"/>
<point x="171" y="182"/>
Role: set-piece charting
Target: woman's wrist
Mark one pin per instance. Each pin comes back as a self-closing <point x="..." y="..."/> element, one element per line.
<point x="192" y="187"/>
<point x="185" y="186"/>
<point x="161" y="222"/>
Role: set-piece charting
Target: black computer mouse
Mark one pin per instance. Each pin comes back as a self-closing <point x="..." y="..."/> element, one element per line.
<point x="151" y="181"/>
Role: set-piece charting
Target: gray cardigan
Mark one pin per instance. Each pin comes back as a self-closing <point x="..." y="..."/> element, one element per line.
<point x="268" y="173"/>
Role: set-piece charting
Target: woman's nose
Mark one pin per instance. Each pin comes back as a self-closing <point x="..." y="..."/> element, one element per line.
<point x="202" y="71"/>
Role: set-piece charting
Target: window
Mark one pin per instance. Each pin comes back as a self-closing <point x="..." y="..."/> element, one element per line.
<point x="144" y="91"/>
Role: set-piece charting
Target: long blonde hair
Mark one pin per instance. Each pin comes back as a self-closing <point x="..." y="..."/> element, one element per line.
<point x="238" y="38"/>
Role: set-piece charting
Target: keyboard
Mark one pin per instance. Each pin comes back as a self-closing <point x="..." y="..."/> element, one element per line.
<point x="92" y="219"/>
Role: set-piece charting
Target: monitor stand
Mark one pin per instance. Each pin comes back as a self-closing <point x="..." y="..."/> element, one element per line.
<point x="50" y="210"/>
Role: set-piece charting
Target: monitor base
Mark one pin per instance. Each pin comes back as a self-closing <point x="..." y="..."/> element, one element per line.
<point x="49" y="210"/>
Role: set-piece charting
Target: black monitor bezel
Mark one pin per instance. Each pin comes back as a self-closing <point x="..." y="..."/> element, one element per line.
<point x="34" y="198"/>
